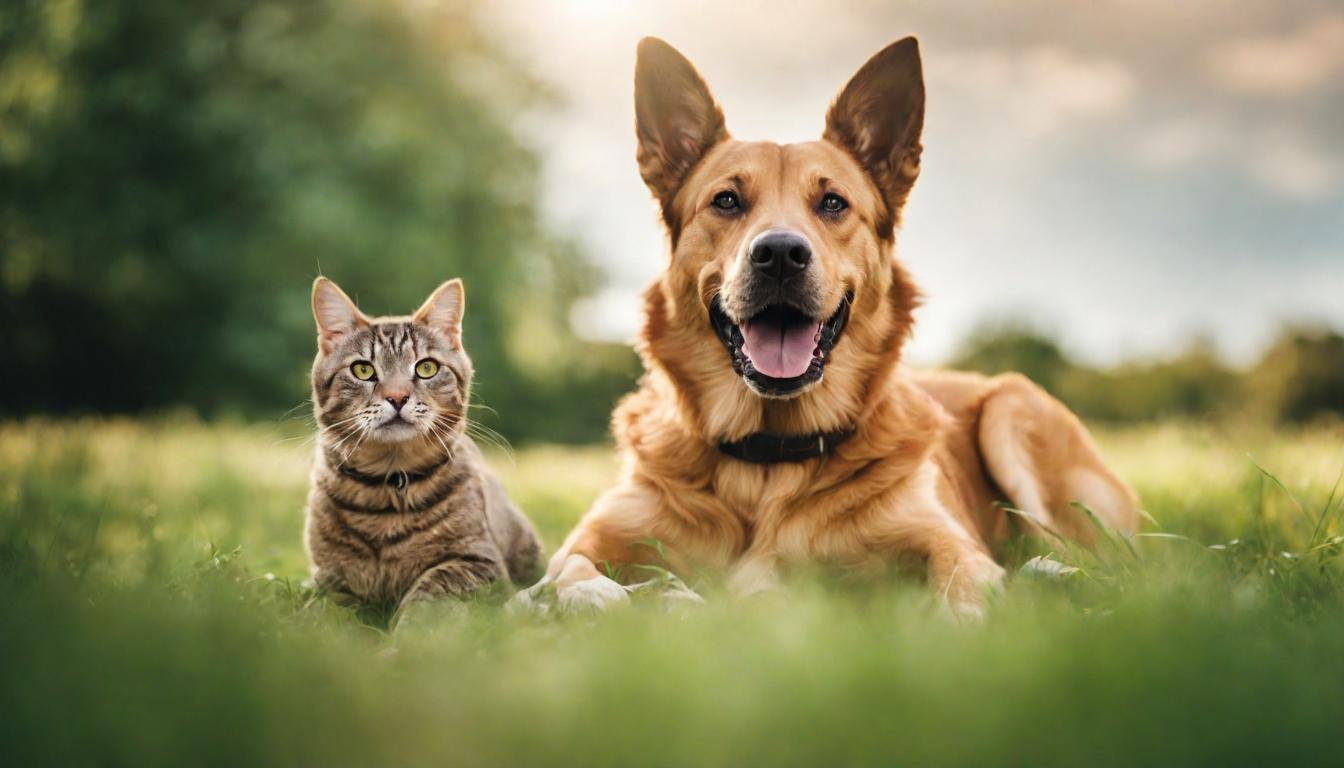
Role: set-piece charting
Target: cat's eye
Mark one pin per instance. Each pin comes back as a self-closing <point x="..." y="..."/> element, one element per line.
<point x="362" y="369"/>
<point x="426" y="368"/>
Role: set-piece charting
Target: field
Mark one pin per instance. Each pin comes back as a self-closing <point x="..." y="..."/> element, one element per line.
<point x="154" y="613"/>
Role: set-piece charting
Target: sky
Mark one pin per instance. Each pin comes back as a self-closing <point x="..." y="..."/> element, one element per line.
<point x="1127" y="175"/>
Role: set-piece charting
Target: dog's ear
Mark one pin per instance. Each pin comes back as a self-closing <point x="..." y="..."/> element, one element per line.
<point x="878" y="118"/>
<point x="676" y="119"/>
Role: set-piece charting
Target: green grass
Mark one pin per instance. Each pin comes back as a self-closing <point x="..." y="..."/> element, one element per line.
<point x="153" y="613"/>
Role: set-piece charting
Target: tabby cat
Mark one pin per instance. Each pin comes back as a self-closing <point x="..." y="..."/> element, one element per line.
<point x="401" y="506"/>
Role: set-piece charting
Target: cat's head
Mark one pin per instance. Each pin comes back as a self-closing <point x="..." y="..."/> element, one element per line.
<point x="390" y="380"/>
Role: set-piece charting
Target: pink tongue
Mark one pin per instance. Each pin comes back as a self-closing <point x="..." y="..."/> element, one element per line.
<point x="780" y="352"/>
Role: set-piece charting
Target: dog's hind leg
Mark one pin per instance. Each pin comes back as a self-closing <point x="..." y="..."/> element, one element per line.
<point x="1041" y="456"/>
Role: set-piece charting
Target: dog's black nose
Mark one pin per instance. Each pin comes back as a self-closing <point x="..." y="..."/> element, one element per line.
<point x="780" y="254"/>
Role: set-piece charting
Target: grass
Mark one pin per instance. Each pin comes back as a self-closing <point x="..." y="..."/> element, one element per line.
<point x="154" y="613"/>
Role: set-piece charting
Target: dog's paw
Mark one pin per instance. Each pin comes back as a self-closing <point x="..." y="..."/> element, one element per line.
<point x="963" y="612"/>
<point x="578" y="587"/>
<point x="535" y="599"/>
<point x="595" y="594"/>
<point x="973" y="582"/>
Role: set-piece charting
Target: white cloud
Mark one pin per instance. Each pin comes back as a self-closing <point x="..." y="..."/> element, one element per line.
<point x="1310" y="57"/>
<point x="1179" y="142"/>
<point x="1041" y="89"/>
<point x="1297" y="169"/>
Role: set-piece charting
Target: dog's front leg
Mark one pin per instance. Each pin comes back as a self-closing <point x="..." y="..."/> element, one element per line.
<point x="757" y="573"/>
<point x="616" y="532"/>
<point x="961" y="573"/>
<point x="963" y="577"/>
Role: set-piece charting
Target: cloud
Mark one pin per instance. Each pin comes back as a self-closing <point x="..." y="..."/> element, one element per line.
<point x="1179" y="142"/>
<point x="1041" y="88"/>
<point x="1296" y="169"/>
<point x="1309" y="58"/>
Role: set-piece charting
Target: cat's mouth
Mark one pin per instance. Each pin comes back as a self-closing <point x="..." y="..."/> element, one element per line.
<point x="394" y="429"/>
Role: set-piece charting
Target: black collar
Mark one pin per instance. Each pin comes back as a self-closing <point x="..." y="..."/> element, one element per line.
<point x="762" y="448"/>
<point x="398" y="479"/>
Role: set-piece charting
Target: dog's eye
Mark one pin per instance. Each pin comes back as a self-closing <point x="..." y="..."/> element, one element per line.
<point x="832" y="203"/>
<point x="727" y="201"/>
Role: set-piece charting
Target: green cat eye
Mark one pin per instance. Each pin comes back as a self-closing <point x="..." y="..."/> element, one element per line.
<point x="426" y="368"/>
<point x="362" y="369"/>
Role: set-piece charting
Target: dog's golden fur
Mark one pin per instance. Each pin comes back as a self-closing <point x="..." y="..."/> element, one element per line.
<point x="932" y="452"/>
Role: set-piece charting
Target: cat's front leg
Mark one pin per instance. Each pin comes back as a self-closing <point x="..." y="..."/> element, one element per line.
<point x="332" y="587"/>
<point x="459" y="576"/>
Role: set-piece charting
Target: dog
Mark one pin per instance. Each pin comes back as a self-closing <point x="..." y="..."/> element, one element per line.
<point x="774" y="424"/>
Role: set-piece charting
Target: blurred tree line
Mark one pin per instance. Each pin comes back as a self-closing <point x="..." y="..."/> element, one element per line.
<point x="1299" y="378"/>
<point x="173" y="175"/>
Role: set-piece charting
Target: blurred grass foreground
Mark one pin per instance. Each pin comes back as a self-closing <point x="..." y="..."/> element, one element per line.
<point x="155" y="613"/>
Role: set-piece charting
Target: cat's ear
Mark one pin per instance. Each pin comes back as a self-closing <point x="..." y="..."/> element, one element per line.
<point x="442" y="311"/>
<point x="336" y="315"/>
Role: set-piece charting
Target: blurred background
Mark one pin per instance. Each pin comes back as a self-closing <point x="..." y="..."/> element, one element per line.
<point x="1140" y="205"/>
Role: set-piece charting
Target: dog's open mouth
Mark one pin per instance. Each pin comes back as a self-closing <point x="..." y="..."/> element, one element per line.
<point x="780" y="350"/>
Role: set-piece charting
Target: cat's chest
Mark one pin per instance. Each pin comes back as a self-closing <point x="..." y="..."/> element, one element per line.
<point x="396" y="516"/>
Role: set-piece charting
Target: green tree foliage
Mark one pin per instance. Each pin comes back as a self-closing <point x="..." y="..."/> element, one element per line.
<point x="1014" y="345"/>
<point x="1301" y="375"/>
<point x="172" y="176"/>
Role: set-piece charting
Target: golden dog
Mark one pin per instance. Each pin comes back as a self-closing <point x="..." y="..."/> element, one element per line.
<point x="774" y="425"/>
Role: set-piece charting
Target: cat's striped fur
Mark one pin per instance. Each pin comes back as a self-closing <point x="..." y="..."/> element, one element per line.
<point x="401" y="505"/>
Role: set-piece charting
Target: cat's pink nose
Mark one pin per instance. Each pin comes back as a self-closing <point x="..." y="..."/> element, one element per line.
<point x="397" y="401"/>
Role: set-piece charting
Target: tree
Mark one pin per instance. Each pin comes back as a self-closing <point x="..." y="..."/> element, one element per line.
<point x="172" y="176"/>
<point x="1013" y="345"/>
<point x="1301" y="375"/>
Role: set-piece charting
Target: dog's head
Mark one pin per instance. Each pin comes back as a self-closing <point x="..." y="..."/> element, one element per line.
<point x="781" y="254"/>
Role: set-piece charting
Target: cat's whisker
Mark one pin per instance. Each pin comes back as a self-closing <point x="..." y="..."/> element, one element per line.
<point x="361" y="430"/>
<point x="287" y="414"/>
<point x="490" y="437"/>
<point x="483" y="407"/>
<point x="435" y="434"/>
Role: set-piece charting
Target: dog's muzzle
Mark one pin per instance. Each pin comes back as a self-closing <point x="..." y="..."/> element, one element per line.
<point x="780" y="350"/>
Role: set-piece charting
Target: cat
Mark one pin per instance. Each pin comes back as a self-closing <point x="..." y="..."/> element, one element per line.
<point x="401" y="506"/>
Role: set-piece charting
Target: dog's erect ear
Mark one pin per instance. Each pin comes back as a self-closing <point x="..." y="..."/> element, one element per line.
<point x="336" y="315"/>
<point x="878" y="118"/>
<point x="676" y="118"/>
<point x="443" y="310"/>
